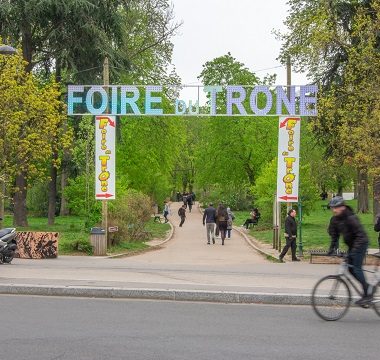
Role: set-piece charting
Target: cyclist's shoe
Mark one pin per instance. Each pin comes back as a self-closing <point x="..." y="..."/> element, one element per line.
<point x="365" y="300"/>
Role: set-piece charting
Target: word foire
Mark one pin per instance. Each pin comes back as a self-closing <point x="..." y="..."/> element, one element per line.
<point x="230" y="100"/>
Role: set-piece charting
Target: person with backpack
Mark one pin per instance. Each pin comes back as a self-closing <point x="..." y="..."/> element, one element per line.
<point x="377" y="228"/>
<point x="222" y="218"/>
<point x="231" y="218"/>
<point x="182" y="214"/>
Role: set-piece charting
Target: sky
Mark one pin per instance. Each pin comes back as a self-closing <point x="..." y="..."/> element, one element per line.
<point x="211" y="28"/>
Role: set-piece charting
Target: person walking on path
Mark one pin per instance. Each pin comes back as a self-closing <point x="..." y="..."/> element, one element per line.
<point x="377" y="228"/>
<point x="182" y="214"/>
<point x="290" y="235"/>
<point x="209" y="219"/>
<point x="231" y="218"/>
<point x="184" y="199"/>
<point x="166" y="211"/>
<point x="222" y="218"/>
<point x="189" y="200"/>
<point x="346" y="223"/>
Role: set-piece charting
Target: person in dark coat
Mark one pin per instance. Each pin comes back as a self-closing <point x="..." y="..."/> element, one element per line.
<point x="189" y="200"/>
<point x="290" y="235"/>
<point x="182" y="214"/>
<point x="222" y="218"/>
<point x="377" y="228"/>
<point x="346" y="223"/>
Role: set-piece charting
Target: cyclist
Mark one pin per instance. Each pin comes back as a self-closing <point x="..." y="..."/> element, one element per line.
<point x="346" y="223"/>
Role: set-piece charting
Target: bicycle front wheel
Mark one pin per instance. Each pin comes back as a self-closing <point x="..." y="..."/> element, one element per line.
<point x="376" y="299"/>
<point x="331" y="298"/>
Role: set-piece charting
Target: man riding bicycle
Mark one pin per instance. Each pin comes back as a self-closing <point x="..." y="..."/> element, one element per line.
<point x="346" y="223"/>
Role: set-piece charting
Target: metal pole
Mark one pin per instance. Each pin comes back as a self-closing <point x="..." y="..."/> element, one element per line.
<point x="106" y="81"/>
<point x="275" y="225"/>
<point x="279" y="225"/>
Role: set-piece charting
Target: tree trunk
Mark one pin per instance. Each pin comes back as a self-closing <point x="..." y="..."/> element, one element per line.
<point x="376" y="195"/>
<point x="363" y="198"/>
<point x="52" y="190"/>
<point x="19" y="200"/>
<point x="64" y="211"/>
<point x="340" y="186"/>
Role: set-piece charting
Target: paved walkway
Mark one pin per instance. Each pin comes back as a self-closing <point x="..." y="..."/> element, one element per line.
<point x="185" y="263"/>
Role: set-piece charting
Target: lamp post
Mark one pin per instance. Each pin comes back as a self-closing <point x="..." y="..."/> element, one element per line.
<point x="7" y="50"/>
<point x="4" y="50"/>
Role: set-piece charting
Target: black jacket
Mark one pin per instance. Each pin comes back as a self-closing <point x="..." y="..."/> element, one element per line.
<point x="290" y="227"/>
<point x="348" y="225"/>
<point x="377" y="226"/>
<point x="209" y="215"/>
<point x="182" y="212"/>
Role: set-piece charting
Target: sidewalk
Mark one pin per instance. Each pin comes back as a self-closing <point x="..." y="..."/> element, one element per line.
<point x="186" y="268"/>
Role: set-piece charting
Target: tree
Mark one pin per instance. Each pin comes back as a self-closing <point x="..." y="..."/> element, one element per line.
<point x="233" y="150"/>
<point x="31" y="114"/>
<point x="338" y="44"/>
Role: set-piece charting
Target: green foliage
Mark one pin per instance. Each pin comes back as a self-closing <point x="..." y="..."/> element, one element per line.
<point x="265" y="188"/>
<point x="78" y="246"/>
<point x="130" y="212"/>
<point x="37" y="199"/>
<point x="235" y="197"/>
<point x="81" y="198"/>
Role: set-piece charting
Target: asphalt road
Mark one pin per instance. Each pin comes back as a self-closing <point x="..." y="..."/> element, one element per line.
<point x="47" y="328"/>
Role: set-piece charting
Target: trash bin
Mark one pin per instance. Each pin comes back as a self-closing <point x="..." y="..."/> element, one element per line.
<point x="98" y="241"/>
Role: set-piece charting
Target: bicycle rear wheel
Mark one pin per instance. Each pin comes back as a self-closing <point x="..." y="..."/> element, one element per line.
<point x="331" y="298"/>
<point x="376" y="299"/>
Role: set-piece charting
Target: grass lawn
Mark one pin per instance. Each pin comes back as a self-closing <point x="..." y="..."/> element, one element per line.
<point x="314" y="228"/>
<point x="74" y="239"/>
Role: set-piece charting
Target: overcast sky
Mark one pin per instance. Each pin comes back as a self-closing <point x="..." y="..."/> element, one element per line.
<point x="211" y="28"/>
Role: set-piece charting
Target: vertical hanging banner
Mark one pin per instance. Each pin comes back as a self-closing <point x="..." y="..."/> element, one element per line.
<point x="288" y="159"/>
<point x="105" y="127"/>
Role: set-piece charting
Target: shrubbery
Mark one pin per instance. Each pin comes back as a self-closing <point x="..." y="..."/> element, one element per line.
<point x="130" y="212"/>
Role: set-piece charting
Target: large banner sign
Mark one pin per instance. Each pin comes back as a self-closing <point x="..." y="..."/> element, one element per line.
<point x="105" y="127"/>
<point x="229" y="100"/>
<point x="288" y="159"/>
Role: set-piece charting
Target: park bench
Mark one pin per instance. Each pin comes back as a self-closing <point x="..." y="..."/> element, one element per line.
<point x="323" y="252"/>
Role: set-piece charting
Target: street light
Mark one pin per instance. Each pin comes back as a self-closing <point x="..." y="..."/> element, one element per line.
<point x="7" y="50"/>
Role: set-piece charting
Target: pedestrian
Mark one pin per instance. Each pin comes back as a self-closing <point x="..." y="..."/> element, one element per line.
<point x="344" y="222"/>
<point x="166" y="211"/>
<point x="231" y="218"/>
<point x="377" y="228"/>
<point x="209" y="219"/>
<point x="179" y="197"/>
<point x="192" y="194"/>
<point x="182" y="214"/>
<point x="184" y="199"/>
<point x="290" y="235"/>
<point x="189" y="200"/>
<point x="222" y="218"/>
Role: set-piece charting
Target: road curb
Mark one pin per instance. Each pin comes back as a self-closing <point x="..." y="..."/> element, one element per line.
<point x="227" y="297"/>
<point x="250" y="243"/>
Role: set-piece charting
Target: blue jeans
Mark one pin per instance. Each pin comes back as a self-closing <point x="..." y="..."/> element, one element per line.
<point x="355" y="258"/>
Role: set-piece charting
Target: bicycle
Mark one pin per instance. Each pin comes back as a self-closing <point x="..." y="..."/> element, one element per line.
<point x="331" y="296"/>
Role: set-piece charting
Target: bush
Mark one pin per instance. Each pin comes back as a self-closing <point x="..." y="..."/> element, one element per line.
<point x="37" y="199"/>
<point x="81" y="201"/>
<point x="130" y="212"/>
